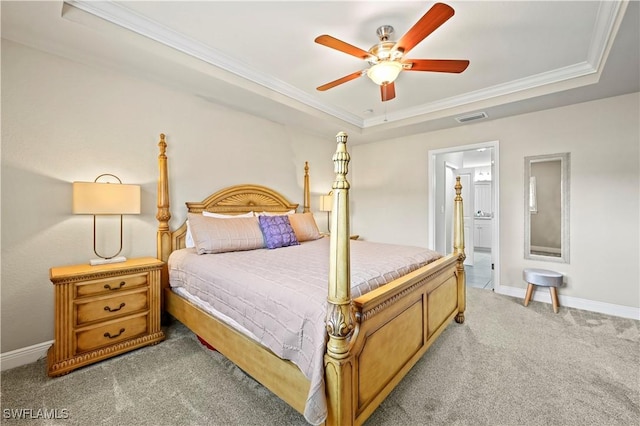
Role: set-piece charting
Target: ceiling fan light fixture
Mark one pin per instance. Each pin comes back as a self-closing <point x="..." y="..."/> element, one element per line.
<point x="384" y="72"/>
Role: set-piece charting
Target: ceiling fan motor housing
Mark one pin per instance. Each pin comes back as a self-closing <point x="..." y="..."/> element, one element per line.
<point x="384" y="32"/>
<point x="383" y="50"/>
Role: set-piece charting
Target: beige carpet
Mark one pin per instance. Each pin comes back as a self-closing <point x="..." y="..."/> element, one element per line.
<point x="507" y="365"/>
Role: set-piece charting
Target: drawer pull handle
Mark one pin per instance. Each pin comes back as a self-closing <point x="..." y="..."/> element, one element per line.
<point x="107" y="308"/>
<point x="107" y="334"/>
<point x="108" y="287"/>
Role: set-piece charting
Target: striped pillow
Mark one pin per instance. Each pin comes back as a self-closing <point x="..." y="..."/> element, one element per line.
<point x="215" y="235"/>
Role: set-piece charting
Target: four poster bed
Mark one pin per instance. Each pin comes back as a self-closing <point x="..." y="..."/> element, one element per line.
<point x="367" y="343"/>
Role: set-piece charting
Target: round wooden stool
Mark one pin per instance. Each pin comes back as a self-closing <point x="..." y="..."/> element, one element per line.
<point x="543" y="278"/>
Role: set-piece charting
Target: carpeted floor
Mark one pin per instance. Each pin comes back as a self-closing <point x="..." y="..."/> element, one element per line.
<point x="507" y="365"/>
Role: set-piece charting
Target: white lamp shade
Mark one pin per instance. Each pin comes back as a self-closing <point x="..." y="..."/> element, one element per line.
<point x="105" y="198"/>
<point x="384" y="72"/>
<point x="326" y="203"/>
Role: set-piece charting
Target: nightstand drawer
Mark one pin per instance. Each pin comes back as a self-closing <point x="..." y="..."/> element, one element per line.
<point x="111" y="285"/>
<point x="104" y="310"/>
<point x="111" y="307"/>
<point x="106" y="335"/>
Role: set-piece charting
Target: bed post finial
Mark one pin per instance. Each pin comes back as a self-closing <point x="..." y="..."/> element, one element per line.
<point x="163" y="214"/>
<point x="340" y="319"/>
<point x="163" y="145"/>
<point x="341" y="324"/>
<point x="307" y="196"/>
<point x="458" y="248"/>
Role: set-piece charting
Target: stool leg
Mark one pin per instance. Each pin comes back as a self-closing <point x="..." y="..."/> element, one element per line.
<point x="554" y="298"/>
<point x="527" y="298"/>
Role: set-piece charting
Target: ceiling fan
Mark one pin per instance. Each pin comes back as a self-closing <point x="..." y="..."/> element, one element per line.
<point x="387" y="58"/>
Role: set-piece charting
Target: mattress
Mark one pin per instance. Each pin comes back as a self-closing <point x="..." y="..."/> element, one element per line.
<point x="279" y="297"/>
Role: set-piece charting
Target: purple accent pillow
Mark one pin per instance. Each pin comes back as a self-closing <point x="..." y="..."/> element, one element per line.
<point x="277" y="231"/>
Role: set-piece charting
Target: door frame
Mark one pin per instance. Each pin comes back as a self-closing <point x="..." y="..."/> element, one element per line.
<point x="495" y="189"/>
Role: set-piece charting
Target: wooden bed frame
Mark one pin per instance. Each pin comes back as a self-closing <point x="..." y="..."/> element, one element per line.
<point x="372" y="340"/>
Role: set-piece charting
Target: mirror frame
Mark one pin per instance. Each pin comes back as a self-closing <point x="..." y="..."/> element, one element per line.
<point x="565" y="181"/>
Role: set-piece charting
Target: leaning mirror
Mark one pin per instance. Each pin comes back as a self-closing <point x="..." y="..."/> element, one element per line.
<point x="546" y="207"/>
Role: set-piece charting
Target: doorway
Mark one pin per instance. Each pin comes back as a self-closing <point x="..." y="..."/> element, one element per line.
<point x="478" y="167"/>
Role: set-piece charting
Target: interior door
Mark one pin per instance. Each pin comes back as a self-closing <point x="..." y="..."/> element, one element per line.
<point x="468" y="195"/>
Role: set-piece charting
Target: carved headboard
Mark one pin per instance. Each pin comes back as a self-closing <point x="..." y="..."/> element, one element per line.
<point x="243" y="199"/>
<point x="235" y="199"/>
<point x="231" y="200"/>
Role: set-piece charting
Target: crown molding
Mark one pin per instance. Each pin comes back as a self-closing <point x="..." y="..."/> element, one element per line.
<point x="521" y="88"/>
<point x="126" y="18"/>
<point x="609" y="15"/>
<point x="608" y="19"/>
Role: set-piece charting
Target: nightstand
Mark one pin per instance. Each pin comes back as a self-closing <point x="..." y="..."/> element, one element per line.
<point x="103" y="311"/>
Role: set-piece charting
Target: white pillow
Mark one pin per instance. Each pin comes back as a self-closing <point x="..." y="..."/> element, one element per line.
<point x="275" y="213"/>
<point x="227" y="216"/>
<point x="188" y="242"/>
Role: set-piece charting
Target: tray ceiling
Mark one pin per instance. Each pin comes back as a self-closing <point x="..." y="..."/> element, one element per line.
<point x="260" y="57"/>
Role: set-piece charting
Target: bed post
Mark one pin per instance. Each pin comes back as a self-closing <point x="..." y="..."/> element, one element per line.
<point x="163" y="215"/>
<point x="340" y="323"/>
<point x="307" y="196"/>
<point x="458" y="247"/>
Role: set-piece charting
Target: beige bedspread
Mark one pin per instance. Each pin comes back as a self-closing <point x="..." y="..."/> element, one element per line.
<point x="279" y="295"/>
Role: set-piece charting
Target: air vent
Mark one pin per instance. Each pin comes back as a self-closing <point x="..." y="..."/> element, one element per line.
<point x="471" y="117"/>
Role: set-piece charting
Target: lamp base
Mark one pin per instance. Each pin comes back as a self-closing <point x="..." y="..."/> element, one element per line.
<point x="102" y="261"/>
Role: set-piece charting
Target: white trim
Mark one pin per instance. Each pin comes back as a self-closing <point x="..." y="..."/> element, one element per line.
<point x="607" y="20"/>
<point x="495" y="228"/>
<point x="495" y="240"/>
<point x="541" y="295"/>
<point x="23" y="356"/>
<point x="450" y="165"/>
<point x="520" y="86"/>
<point x="126" y="18"/>
<point x="610" y="14"/>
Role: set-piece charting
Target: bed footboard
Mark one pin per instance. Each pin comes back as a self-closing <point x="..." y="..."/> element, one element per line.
<point x="374" y="340"/>
<point x="396" y="327"/>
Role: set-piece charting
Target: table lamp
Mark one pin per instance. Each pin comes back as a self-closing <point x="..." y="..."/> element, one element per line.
<point x="326" y="205"/>
<point x="106" y="198"/>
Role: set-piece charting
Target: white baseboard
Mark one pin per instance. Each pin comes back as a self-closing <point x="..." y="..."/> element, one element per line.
<point x="24" y="356"/>
<point x="573" y="302"/>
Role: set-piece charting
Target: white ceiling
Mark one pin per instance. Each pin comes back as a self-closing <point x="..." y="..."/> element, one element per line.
<point x="260" y="57"/>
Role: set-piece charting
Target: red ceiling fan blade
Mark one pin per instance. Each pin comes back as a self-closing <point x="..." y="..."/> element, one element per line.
<point x="342" y="46"/>
<point x="344" y="79"/>
<point x="431" y="20"/>
<point x="437" y="65"/>
<point x="388" y="91"/>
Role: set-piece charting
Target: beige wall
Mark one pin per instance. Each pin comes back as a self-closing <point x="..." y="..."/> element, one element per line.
<point x="391" y="196"/>
<point x="63" y="122"/>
